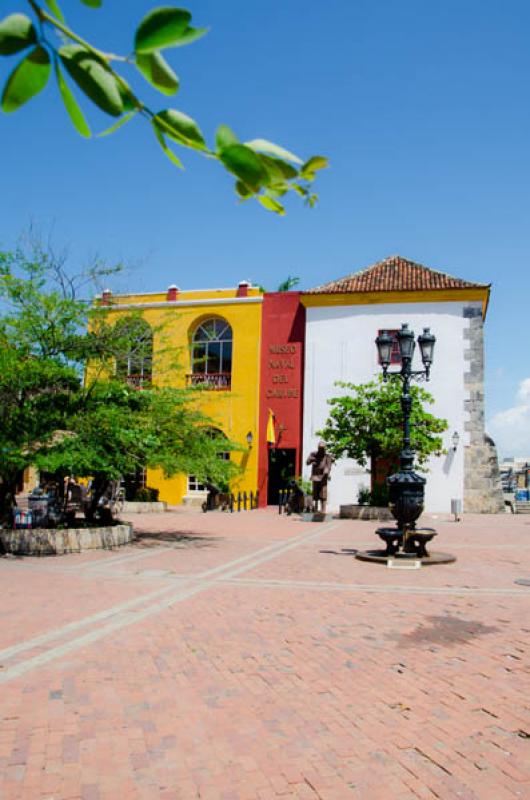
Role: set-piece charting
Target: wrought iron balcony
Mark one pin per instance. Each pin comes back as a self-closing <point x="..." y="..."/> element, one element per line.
<point x="139" y="381"/>
<point x="220" y="381"/>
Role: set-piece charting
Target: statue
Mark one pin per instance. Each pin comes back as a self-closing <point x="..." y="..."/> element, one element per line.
<point x="320" y="462"/>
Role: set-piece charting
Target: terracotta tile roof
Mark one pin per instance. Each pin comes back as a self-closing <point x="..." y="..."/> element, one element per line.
<point x="394" y="274"/>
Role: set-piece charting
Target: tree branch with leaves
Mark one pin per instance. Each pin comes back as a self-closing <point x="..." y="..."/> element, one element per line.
<point x="263" y="170"/>
<point x="366" y="424"/>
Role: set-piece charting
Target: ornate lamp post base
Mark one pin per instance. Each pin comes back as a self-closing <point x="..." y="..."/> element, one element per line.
<point x="381" y="557"/>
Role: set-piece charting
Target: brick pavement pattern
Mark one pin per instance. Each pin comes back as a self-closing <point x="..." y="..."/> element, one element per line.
<point x="251" y="657"/>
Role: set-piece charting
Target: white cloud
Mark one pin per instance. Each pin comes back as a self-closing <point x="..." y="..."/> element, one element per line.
<point x="510" y="429"/>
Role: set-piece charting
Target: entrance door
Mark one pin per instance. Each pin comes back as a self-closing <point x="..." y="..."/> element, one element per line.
<point x="282" y="467"/>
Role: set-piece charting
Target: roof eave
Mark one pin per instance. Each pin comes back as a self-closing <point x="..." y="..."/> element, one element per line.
<point x="479" y="293"/>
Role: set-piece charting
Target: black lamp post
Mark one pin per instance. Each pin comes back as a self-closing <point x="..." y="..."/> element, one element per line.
<point x="406" y="488"/>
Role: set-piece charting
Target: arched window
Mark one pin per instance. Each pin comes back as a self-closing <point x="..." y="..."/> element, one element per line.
<point x="134" y="361"/>
<point x="211" y="354"/>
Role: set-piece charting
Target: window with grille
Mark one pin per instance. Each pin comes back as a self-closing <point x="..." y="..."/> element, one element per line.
<point x="194" y="485"/>
<point x="135" y="361"/>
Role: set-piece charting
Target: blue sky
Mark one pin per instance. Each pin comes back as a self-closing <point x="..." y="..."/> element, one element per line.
<point x="423" y="109"/>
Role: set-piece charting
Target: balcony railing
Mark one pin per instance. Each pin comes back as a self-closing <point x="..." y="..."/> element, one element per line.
<point x="139" y="381"/>
<point x="221" y="381"/>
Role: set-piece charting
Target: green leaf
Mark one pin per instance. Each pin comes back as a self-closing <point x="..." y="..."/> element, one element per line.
<point x="310" y="167"/>
<point x="53" y="5"/>
<point x="70" y="103"/>
<point x="271" y="205"/>
<point x="278" y="190"/>
<point x="190" y="35"/>
<point x="121" y="121"/>
<point x="162" y="27"/>
<point x="27" y="79"/>
<point x="92" y="3"/>
<point x="157" y="71"/>
<point x="16" y="33"/>
<point x="301" y="190"/>
<point x="278" y="170"/>
<point x="130" y="103"/>
<point x="243" y="191"/>
<point x="224" y="137"/>
<point x="264" y="146"/>
<point x="93" y="78"/>
<point x="163" y="144"/>
<point x="245" y="164"/>
<point x="180" y="128"/>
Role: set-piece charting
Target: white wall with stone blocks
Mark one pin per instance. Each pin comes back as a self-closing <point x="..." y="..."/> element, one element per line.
<point x="340" y="346"/>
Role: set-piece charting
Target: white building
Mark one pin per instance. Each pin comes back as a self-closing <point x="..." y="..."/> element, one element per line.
<point x="343" y="318"/>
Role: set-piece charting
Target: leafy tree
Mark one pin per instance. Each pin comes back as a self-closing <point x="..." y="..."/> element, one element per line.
<point x="263" y="170"/>
<point x="289" y="283"/>
<point x="366" y="424"/>
<point x="63" y="417"/>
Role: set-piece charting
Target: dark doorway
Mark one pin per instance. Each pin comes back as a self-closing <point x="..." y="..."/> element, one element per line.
<point x="282" y="467"/>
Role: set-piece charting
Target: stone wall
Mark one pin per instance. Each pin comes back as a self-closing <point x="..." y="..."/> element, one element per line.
<point x="137" y="507"/>
<point x="482" y="482"/>
<point x="55" y="541"/>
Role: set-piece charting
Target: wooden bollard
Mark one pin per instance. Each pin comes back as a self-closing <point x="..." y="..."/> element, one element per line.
<point x="239" y="501"/>
<point x="231" y="503"/>
<point x="251" y="499"/>
<point x="244" y="501"/>
<point x="257" y="498"/>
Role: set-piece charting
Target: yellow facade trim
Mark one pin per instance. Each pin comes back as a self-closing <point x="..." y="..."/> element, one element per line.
<point x="178" y="304"/>
<point x="197" y="295"/>
<point x="479" y="293"/>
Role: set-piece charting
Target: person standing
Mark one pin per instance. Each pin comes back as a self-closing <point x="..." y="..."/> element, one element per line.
<point x="320" y="462"/>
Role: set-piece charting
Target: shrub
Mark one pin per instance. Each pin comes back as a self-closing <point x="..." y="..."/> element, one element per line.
<point x="379" y="495"/>
<point x="146" y="494"/>
<point x="364" y="496"/>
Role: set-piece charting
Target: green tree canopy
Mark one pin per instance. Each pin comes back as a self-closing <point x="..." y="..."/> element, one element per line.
<point x="263" y="170"/>
<point x="366" y="423"/>
<point x="59" y="415"/>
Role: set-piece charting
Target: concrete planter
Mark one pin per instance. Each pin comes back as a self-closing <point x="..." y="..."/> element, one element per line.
<point x="136" y="507"/>
<point x="354" y="511"/>
<point x="55" y="541"/>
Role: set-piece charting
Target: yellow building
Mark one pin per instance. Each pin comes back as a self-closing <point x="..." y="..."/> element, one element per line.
<point x="215" y="334"/>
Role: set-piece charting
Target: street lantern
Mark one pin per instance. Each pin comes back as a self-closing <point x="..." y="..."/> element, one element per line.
<point x="426" y="342"/>
<point x="406" y="342"/>
<point x="384" y="344"/>
<point x="250" y="439"/>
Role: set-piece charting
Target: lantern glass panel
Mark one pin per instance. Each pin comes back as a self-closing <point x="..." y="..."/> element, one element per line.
<point x="384" y="347"/>
<point x="426" y="342"/>
<point x="406" y="341"/>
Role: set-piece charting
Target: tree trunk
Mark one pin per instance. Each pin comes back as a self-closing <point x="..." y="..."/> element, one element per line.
<point x="100" y="486"/>
<point x="373" y="470"/>
<point x="8" y="490"/>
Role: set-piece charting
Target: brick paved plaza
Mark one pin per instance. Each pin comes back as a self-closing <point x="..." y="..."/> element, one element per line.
<point x="251" y="657"/>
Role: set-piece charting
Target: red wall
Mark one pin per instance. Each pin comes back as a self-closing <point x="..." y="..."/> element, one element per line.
<point x="281" y="377"/>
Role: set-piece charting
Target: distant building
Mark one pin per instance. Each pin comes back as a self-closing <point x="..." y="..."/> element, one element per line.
<point x="515" y="473"/>
<point x="343" y="318"/>
<point x="270" y="362"/>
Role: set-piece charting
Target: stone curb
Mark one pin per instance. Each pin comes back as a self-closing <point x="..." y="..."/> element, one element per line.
<point x="54" y="541"/>
<point x="354" y="511"/>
